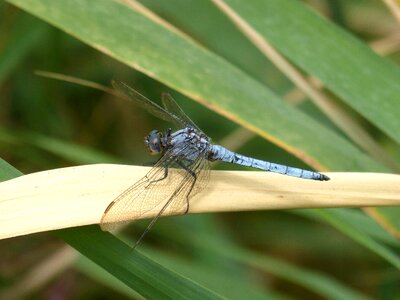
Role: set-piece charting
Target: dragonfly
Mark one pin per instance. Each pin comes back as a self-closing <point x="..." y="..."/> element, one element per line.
<point x="182" y="170"/>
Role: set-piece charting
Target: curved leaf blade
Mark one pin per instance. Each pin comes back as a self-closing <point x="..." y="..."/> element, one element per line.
<point x="363" y="79"/>
<point x="180" y="63"/>
<point x="148" y="278"/>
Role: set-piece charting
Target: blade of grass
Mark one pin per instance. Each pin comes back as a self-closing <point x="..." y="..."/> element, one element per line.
<point x="97" y="273"/>
<point x="148" y="278"/>
<point x="317" y="282"/>
<point x="21" y="42"/>
<point x="356" y="219"/>
<point x="230" y="287"/>
<point x="78" y="196"/>
<point x="313" y="280"/>
<point x="387" y="218"/>
<point x="336" y="114"/>
<point x="7" y="171"/>
<point x="343" y="225"/>
<point x="394" y="7"/>
<point x="185" y="15"/>
<point x="76" y="80"/>
<point x="349" y="68"/>
<point x="200" y="74"/>
<point x="66" y="150"/>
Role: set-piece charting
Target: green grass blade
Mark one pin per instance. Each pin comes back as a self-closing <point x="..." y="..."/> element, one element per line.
<point x="361" y="236"/>
<point x="232" y="287"/>
<point x="183" y="65"/>
<point x="66" y="150"/>
<point x="97" y="273"/>
<point x="360" y="221"/>
<point x="220" y="248"/>
<point x="147" y="46"/>
<point x="315" y="281"/>
<point x="349" y="68"/>
<point x="389" y="218"/>
<point x="7" y="171"/>
<point x="148" y="278"/>
<point x="20" y="44"/>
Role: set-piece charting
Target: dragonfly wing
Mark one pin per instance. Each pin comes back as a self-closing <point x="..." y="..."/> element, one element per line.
<point x="173" y="107"/>
<point x="128" y="93"/>
<point x="188" y="187"/>
<point x="151" y="193"/>
<point x="195" y="181"/>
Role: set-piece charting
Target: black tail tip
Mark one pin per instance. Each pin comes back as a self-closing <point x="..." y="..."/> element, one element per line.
<point x="324" y="178"/>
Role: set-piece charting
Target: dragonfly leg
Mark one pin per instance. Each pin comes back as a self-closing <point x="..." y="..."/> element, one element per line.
<point x="165" y="176"/>
<point x="187" y="168"/>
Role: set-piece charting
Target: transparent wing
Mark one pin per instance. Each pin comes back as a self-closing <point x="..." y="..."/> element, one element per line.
<point x="173" y="107"/>
<point x="153" y="194"/>
<point x="192" y="185"/>
<point x="130" y="94"/>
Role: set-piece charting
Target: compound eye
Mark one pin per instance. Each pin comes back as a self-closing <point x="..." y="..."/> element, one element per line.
<point x="153" y="142"/>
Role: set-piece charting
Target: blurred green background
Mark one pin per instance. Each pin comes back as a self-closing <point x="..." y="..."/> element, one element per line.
<point x="46" y="124"/>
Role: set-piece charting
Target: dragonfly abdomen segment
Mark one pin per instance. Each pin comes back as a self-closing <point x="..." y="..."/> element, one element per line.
<point x="223" y="154"/>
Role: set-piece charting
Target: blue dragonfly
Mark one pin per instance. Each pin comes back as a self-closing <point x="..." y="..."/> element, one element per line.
<point x="182" y="170"/>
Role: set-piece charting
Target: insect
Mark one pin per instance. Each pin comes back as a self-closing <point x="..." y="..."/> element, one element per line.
<point x="182" y="170"/>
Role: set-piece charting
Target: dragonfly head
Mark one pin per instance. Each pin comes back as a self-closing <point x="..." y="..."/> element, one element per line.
<point x="154" y="141"/>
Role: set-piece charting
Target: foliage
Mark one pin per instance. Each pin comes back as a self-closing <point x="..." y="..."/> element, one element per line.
<point x="47" y="124"/>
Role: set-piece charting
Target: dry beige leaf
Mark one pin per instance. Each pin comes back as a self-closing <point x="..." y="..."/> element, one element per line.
<point x="78" y="196"/>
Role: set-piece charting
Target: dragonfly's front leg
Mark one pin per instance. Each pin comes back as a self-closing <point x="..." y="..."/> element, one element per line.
<point x="162" y="178"/>
<point x="187" y="169"/>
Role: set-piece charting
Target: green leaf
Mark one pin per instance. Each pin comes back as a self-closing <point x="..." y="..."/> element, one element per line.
<point x="7" y="171"/>
<point x="185" y="15"/>
<point x="184" y="65"/>
<point x="21" y="42"/>
<point x="221" y="249"/>
<point x="66" y="150"/>
<point x="148" y="278"/>
<point x="231" y="287"/>
<point x="348" y="67"/>
<point x="389" y="216"/>
<point x="317" y="282"/>
<point x="363" y="236"/>
<point x="95" y="272"/>
<point x="357" y="220"/>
